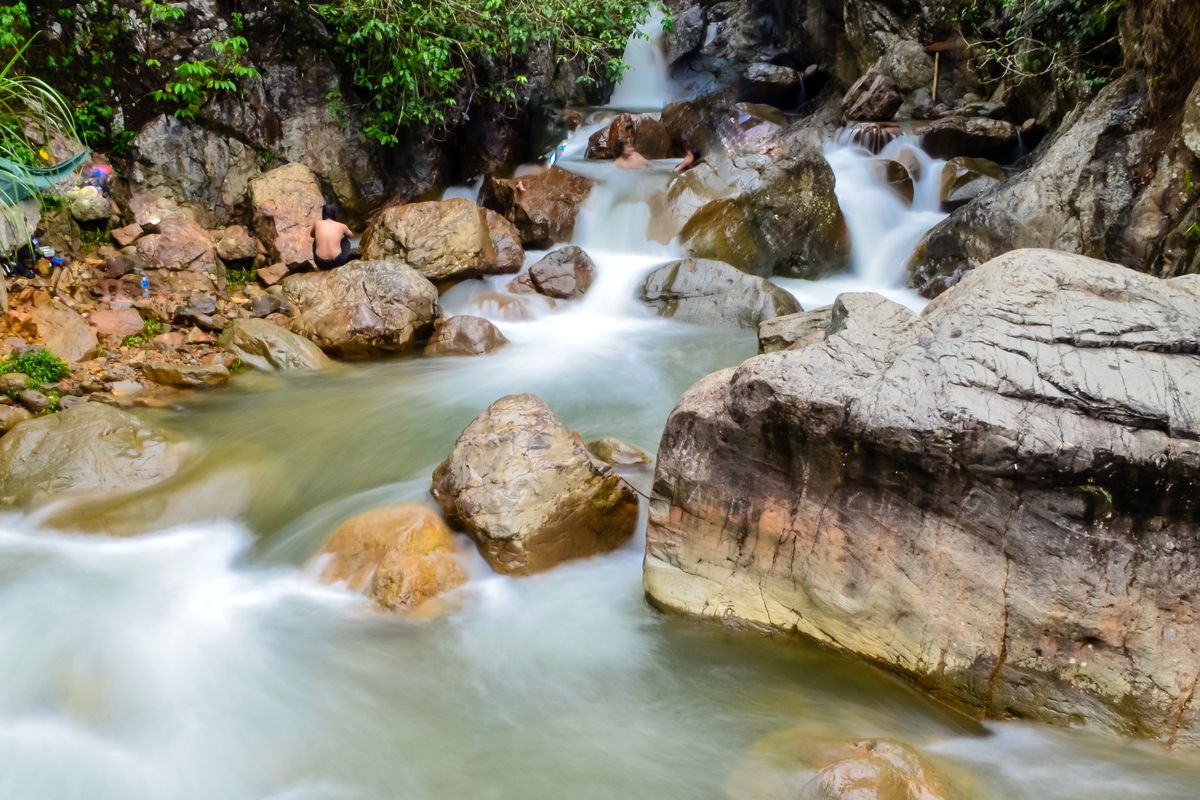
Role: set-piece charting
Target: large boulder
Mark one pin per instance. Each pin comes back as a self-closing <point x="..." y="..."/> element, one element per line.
<point x="401" y="556"/>
<point x="506" y="241"/>
<point x="265" y="346"/>
<point x="464" y="336"/>
<point x="178" y="251"/>
<point x="90" y="448"/>
<point x="195" y="167"/>
<point x="874" y="98"/>
<point x="444" y="240"/>
<point x="186" y="376"/>
<point x="994" y="498"/>
<point x="714" y="293"/>
<point x="286" y="203"/>
<point x="529" y="493"/>
<point x="1085" y="194"/>
<point x="47" y="321"/>
<point x="790" y="224"/>
<point x="565" y="273"/>
<point x="363" y="309"/>
<point x="649" y="136"/>
<point x="976" y="137"/>
<point x="543" y="207"/>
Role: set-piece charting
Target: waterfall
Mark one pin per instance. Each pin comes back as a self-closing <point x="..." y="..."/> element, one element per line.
<point x="646" y="85"/>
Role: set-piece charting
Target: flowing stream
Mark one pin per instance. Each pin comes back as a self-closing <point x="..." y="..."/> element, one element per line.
<point x="204" y="662"/>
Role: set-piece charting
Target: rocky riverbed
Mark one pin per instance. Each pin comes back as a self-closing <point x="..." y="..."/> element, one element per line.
<point x="410" y="526"/>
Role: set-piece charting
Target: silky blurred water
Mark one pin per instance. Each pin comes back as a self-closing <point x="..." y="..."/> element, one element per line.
<point x="206" y="662"/>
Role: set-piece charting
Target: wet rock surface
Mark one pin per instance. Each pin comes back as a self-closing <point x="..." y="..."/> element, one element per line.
<point x="710" y="292"/>
<point x="443" y="240"/>
<point x="89" y="448"/>
<point x="363" y="309"/>
<point x="464" y="336"/>
<point x="265" y="346"/>
<point x="543" y="207"/>
<point x="565" y="273"/>
<point x="988" y="497"/>
<point x="401" y="556"/>
<point x="287" y="202"/>
<point x="526" y="489"/>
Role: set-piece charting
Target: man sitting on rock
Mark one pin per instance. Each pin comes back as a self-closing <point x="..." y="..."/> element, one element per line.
<point x="628" y="157"/>
<point x="331" y="240"/>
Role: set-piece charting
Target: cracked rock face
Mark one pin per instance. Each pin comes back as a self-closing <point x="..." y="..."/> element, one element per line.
<point x="995" y="498"/>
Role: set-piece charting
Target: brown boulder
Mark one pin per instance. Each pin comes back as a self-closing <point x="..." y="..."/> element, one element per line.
<point x="565" y="273"/>
<point x="873" y="98"/>
<point x="118" y="322"/>
<point x="43" y="319"/>
<point x="363" y="309"/>
<point x="543" y="207"/>
<point x="464" y="336"/>
<point x="236" y="244"/>
<point x="529" y="493"/>
<point x="977" y="137"/>
<point x="10" y="416"/>
<point x="993" y="498"/>
<point x="506" y="241"/>
<point x="186" y="376"/>
<point x="401" y="556"/>
<point x="649" y="136"/>
<point x="127" y="235"/>
<point x="444" y="240"/>
<point x="265" y="346"/>
<point x="286" y="202"/>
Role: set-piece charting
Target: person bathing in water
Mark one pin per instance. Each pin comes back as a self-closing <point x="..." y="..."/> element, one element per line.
<point x="628" y="157"/>
<point x="331" y="240"/>
<point x="688" y="161"/>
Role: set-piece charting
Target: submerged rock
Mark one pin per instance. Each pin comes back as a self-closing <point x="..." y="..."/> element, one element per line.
<point x="713" y="293"/>
<point x="91" y="447"/>
<point x="363" y="309"/>
<point x="565" y="273"/>
<point x="529" y="493"/>
<point x="464" y="336"/>
<point x="401" y="556"/>
<point x="265" y="346"/>
<point x="993" y="498"/>
<point x="802" y="763"/>
<point x="444" y="240"/>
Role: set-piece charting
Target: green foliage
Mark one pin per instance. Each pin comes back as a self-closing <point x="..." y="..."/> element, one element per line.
<point x="237" y="277"/>
<point x="151" y="327"/>
<point x="1073" y="41"/>
<point x="94" y="237"/>
<point x="40" y="366"/>
<point x="197" y="81"/>
<point x="423" y="61"/>
<point x="14" y="26"/>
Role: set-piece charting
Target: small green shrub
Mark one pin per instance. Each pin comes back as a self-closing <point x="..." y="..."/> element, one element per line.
<point x="197" y="81"/>
<point x="151" y="327"/>
<point x="237" y="277"/>
<point x="40" y="366"/>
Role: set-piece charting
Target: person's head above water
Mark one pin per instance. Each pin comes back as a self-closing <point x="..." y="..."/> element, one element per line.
<point x="329" y="211"/>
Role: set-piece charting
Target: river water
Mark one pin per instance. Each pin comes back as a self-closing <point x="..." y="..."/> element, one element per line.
<point x="204" y="662"/>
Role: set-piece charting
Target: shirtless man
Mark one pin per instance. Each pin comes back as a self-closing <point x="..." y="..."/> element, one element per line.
<point x="331" y="240"/>
<point x="628" y="157"/>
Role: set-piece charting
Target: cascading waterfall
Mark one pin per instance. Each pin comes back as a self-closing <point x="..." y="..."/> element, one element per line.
<point x="203" y="662"/>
